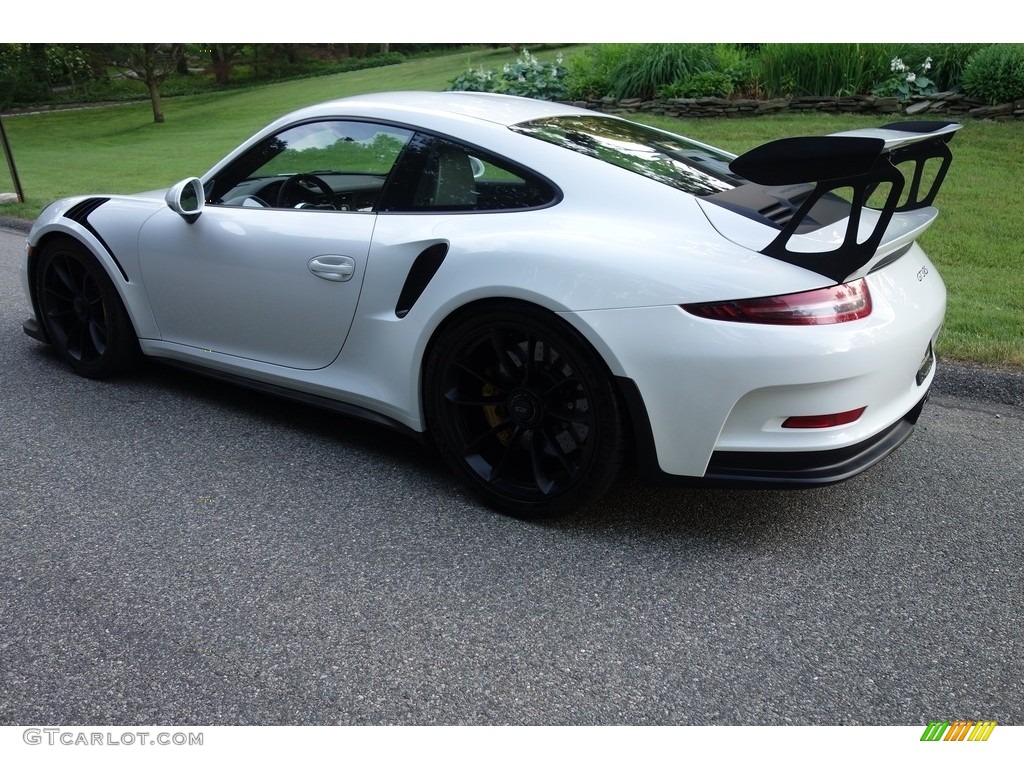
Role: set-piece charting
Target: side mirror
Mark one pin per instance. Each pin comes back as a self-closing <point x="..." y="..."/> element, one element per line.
<point x="186" y="198"/>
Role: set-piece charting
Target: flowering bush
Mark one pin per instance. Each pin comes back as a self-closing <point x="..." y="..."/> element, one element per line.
<point x="527" y="76"/>
<point x="478" y="79"/>
<point x="905" y="82"/>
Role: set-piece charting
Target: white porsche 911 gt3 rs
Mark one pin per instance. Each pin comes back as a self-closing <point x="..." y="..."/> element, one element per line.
<point x="544" y="291"/>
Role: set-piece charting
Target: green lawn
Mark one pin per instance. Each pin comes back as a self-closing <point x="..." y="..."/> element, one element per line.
<point x="976" y="241"/>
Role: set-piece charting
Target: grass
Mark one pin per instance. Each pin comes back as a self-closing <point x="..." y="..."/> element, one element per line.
<point x="975" y="242"/>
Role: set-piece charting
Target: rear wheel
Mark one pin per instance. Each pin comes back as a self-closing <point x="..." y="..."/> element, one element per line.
<point x="81" y="311"/>
<point x="524" y="410"/>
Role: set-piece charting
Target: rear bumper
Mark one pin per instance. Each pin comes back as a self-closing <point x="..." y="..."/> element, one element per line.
<point x="808" y="469"/>
<point x="754" y="470"/>
<point x="716" y="396"/>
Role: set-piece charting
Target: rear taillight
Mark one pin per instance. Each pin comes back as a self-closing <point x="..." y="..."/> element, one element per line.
<point x="823" y="306"/>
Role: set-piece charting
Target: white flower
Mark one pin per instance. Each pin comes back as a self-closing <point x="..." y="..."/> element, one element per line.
<point x="911" y="77"/>
<point x="927" y="64"/>
<point x="897" y="65"/>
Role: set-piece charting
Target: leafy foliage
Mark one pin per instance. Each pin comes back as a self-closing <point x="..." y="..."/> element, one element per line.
<point x="48" y="73"/>
<point x="730" y="70"/>
<point x="645" y="67"/>
<point x="626" y="71"/>
<point x="822" y="69"/>
<point x="478" y="80"/>
<point x="527" y="76"/>
<point x="906" y="82"/>
<point x="948" y="60"/>
<point x="703" y="84"/>
<point x="23" y="74"/>
<point x="739" y="65"/>
<point x="591" y="71"/>
<point x="996" y="73"/>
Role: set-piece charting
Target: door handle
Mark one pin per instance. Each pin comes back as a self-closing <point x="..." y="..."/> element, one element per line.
<point x="338" y="269"/>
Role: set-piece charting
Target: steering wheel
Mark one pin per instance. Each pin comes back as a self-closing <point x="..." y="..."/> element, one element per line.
<point x="299" y="186"/>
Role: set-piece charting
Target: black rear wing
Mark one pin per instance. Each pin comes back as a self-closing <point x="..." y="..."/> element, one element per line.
<point x="793" y="177"/>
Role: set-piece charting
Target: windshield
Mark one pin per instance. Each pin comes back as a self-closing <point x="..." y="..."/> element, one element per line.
<point x="664" y="157"/>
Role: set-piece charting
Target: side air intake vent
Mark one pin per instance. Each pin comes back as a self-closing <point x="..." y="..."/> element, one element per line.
<point x="420" y="274"/>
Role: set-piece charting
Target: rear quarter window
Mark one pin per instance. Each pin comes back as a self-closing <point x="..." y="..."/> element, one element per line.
<point x="663" y="157"/>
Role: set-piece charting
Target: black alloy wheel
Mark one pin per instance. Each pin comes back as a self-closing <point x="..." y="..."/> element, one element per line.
<point x="524" y="410"/>
<point x="81" y="311"/>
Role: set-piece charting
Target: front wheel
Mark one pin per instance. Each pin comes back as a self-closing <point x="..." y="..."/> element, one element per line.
<point x="522" y="408"/>
<point x="81" y="311"/>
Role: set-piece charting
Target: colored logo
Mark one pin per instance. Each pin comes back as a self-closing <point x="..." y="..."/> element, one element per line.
<point x="958" y="730"/>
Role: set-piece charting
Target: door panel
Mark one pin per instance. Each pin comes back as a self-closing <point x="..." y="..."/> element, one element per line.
<point x="241" y="280"/>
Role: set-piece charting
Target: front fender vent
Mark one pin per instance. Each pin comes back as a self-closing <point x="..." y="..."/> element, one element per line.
<point x="79" y="212"/>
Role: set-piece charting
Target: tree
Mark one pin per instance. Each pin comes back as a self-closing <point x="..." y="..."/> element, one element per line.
<point x="24" y="74"/>
<point x="150" y="63"/>
<point x="222" y="60"/>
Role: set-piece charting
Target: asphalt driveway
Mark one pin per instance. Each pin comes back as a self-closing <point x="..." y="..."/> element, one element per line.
<point x="178" y="551"/>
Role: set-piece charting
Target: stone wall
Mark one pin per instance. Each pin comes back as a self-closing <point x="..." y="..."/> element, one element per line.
<point x="945" y="104"/>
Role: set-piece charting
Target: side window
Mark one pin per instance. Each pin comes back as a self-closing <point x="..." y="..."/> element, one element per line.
<point x="325" y="165"/>
<point x="440" y="175"/>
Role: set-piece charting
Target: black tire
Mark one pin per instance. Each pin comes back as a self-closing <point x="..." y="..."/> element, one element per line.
<point x="81" y="312"/>
<point x="523" y="409"/>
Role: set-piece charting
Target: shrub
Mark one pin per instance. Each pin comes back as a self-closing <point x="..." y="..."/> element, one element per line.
<point x="907" y="82"/>
<point x="736" y="63"/>
<point x="717" y="84"/>
<point x="525" y="77"/>
<point x="479" y="80"/>
<point x="529" y="77"/>
<point x="822" y="69"/>
<point x="948" y="60"/>
<point x="591" y="72"/>
<point x="645" y="68"/>
<point x="626" y="70"/>
<point x="996" y="73"/>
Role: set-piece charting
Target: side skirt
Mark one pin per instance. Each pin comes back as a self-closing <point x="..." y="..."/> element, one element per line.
<point x="318" y="401"/>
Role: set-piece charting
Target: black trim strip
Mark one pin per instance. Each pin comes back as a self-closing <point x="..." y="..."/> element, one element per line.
<point x="80" y="213"/>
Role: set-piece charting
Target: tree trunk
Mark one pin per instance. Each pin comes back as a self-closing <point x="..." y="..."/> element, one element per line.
<point x="154" y="97"/>
<point x="221" y="62"/>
